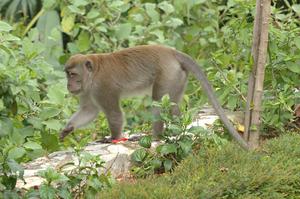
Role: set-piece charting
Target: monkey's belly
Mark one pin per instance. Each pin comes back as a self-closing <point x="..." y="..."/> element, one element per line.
<point x="131" y="92"/>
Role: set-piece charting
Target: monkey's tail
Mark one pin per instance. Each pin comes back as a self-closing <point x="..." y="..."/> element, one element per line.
<point x="187" y="63"/>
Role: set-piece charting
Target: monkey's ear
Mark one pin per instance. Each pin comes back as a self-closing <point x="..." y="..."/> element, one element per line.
<point x="89" y="65"/>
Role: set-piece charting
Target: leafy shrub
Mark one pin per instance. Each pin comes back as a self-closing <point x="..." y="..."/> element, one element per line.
<point x="81" y="180"/>
<point x="32" y="103"/>
<point x="178" y="139"/>
<point x="231" y="63"/>
<point x="34" y="98"/>
<point x="272" y="172"/>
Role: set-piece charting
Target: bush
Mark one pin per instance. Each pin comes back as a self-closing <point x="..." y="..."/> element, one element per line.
<point x="271" y="172"/>
<point x="178" y="140"/>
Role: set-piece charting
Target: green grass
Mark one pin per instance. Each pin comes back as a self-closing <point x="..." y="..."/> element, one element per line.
<point x="271" y="172"/>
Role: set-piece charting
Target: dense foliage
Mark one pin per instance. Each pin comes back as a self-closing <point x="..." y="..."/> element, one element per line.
<point x="36" y="37"/>
<point x="82" y="180"/>
<point x="180" y="139"/>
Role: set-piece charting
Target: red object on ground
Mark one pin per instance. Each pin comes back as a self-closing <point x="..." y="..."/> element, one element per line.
<point x="119" y="140"/>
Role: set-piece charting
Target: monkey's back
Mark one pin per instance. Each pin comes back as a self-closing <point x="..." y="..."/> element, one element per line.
<point x="134" y="70"/>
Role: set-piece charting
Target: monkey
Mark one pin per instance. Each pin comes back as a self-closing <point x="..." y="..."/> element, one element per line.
<point x="102" y="80"/>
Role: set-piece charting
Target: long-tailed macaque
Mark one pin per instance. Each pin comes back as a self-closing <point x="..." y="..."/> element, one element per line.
<point x="101" y="80"/>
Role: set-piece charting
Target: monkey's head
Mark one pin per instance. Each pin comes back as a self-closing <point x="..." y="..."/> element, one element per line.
<point x="79" y="69"/>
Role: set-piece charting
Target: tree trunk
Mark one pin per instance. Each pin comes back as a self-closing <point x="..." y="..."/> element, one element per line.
<point x="256" y="79"/>
<point x="254" y="51"/>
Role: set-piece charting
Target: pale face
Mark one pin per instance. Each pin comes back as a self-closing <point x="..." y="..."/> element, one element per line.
<point x="78" y="71"/>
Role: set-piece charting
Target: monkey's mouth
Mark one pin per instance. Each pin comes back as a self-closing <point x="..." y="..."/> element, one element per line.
<point x="75" y="92"/>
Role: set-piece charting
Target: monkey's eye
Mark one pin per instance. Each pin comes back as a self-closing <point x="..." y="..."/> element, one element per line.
<point x="70" y="74"/>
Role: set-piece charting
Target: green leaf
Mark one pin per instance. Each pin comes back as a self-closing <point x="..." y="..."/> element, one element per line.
<point x="165" y="101"/>
<point x="294" y="67"/>
<point x="16" y="152"/>
<point x="156" y="163"/>
<point x="50" y="35"/>
<point x="17" y="138"/>
<point x="53" y="124"/>
<point x="2" y="107"/>
<point x="232" y="102"/>
<point x="6" y="127"/>
<point x="49" y="141"/>
<point x="186" y="146"/>
<point x="297" y="42"/>
<point x="29" y="48"/>
<point x="27" y="131"/>
<point x="117" y="3"/>
<point x="123" y="31"/>
<point x="80" y="2"/>
<point x="76" y="10"/>
<point x="64" y="193"/>
<point x="52" y="175"/>
<point x="67" y="23"/>
<point x="168" y="148"/>
<point x="36" y="122"/>
<point x="296" y="8"/>
<point x="10" y="194"/>
<point x="174" y="129"/>
<point x="151" y="11"/>
<point x="99" y="21"/>
<point x="47" y="192"/>
<point x="253" y="127"/>
<point x="49" y="4"/>
<point x="83" y="42"/>
<point x="56" y="94"/>
<point x="139" y="155"/>
<point x="199" y="1"/>
<point x="166" y="7"/>
<point x="168" y="165"/>
<point x="48" y="112"/>
<point x="5" y="27"/>
<point x="93" y="14"/>
<point x="137" y="17"/>
<point x="9" y="182"/>
<point x="231" y="3"/>
<point x="32" y="145"/>
<point x="7" y="50"/>
<point x="191" y="3"/>
<point x="174" y="22"/>
<point x="146" y="141"/>
<point x="159" y="34"/>
<point x="15" y="167"/>
<point x="95" y="183"/>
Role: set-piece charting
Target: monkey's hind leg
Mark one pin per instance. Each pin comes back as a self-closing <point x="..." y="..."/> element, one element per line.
<point x="174" y="88"/>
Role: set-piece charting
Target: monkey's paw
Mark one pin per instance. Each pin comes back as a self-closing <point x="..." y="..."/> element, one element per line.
<point x="65" y="132"/>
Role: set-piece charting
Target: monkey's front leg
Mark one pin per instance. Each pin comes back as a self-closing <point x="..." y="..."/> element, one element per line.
<point x="65" y="132"/>
<point x="82" y="117"/>
<point x="115" y="121"/>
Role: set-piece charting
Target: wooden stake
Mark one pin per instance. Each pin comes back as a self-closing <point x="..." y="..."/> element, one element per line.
<point x="256" y="79"/>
